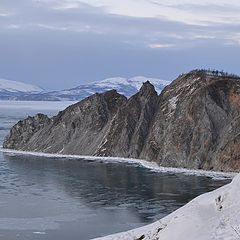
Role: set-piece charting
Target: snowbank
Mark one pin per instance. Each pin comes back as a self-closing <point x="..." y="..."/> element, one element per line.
<point x="211" y="216"/>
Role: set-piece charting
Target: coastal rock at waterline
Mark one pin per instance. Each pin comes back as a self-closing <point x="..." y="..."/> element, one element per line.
<point x="23" y="131"/>
<point x="193" y="123"/>
<point x="78" y="129"/>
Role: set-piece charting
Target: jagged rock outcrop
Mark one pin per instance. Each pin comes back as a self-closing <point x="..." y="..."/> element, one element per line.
<point x="21" y="134"/>
<point x="193" y="123"/>
<point x="78" y="129"/>
<point x="130" y="126"/>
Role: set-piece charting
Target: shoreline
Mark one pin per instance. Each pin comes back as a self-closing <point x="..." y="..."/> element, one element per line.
<point x="204" y="217"/>
<point x="152" y="166"/>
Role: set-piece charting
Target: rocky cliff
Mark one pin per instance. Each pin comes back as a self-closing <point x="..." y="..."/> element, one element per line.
<point x="193" y="123"/>
<point x="197" y="123"/>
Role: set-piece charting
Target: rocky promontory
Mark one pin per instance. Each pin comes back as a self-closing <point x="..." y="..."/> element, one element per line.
<point x="194" y="123"/>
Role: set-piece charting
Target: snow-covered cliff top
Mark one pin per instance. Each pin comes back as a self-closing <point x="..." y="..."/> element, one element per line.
<point x="211" y="216"/>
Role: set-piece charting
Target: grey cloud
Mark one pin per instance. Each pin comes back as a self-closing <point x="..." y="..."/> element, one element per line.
<point x="63" y="48"/>
<point x="61" y="60"/>
<point x="225" y="8"/>
<point x="31" y="15"/>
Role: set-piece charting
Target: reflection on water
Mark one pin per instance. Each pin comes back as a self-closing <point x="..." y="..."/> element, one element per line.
<point x="72" y="195"/>
<point x="52" y="198"/>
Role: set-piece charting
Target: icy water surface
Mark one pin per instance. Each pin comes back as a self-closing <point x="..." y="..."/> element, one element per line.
<point x="57" y="199"/>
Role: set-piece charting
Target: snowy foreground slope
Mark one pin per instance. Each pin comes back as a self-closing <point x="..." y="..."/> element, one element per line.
<point x="211" y="216"/>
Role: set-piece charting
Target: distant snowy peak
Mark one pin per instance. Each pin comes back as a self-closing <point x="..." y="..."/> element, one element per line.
<point x="127" y="86"/>
<point x="135" y="83"/>
<point x="15" y="87"/>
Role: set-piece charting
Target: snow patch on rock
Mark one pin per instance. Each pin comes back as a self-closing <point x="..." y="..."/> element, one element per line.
<point x="173" y="103"/>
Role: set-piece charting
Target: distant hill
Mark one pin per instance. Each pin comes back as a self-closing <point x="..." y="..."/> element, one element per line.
<point x="13" y="89"/>
<point x="125" y="86"/>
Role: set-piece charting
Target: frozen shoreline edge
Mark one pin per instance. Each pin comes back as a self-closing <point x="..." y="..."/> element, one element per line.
<point x="152" y="166"/>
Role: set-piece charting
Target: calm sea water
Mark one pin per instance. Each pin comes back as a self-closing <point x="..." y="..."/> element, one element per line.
<point x="51" y="198"/>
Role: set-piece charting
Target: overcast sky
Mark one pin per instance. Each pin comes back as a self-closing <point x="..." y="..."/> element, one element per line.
<point x="60" y="44"/>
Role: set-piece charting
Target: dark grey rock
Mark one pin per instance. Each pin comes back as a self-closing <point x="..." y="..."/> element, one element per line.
<point x="129" y="128"/>
<point x="23" y="131"/>
<point x="78" y="129"/>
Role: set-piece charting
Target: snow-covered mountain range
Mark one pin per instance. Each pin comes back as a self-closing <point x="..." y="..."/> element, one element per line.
<point x="125" y="86"/>
<point x="12" y="89"/>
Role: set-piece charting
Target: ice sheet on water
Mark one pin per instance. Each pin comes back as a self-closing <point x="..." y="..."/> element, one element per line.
<point x="138" y="162"/>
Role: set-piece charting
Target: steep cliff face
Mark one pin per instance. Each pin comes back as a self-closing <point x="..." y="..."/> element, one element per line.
<point x="78" y="129"/>
<point x="197" y="123"/>
<point x="130" y="126"/>
<point x="193" y="123"/>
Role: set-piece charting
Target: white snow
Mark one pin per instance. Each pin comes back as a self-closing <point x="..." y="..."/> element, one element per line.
<point x="135" y="82"/>
<point x="153" y="166"/>
<point x="173" y="103"/>
<point x="125" y="86"/>
<point x="158" y="83"/>
<point x="112" y="81"/>
<point x="211" y="216"/>
<point x="15" y="86"/>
